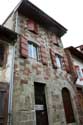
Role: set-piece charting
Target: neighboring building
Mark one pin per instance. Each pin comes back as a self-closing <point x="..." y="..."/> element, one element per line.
<point x="75" y="56"/>
<point x="7" y="41"/>
<point x="43" y="91"/>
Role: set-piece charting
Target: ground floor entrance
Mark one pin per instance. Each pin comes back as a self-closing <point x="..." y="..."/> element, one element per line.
<point x="40" y="104"/>
<point x="3" y="103"/>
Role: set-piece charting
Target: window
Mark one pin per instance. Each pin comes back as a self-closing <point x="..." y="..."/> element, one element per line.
<point x="58" y="61"/>
<point x="32" y="26"/>
<point x="33" y="50"/>
<point x="1" y="54"/>
<point x="79" y="72"/>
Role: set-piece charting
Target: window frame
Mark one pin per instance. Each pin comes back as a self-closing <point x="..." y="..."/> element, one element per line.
<point x="2" y="60"/>
<point x="31" y="47"/>
<point x="79" y="72"/>
<point x="59" y="57"/>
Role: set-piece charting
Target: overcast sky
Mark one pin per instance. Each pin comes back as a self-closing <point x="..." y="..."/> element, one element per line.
<point x="69" y="13"/>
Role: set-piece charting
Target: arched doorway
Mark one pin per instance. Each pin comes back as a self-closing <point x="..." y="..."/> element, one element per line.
<point x="67" y="106"/>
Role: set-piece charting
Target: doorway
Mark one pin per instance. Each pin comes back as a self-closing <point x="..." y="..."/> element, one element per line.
<point x="40" y="104"/>
<point x="68" y="106"/>
<point x="3" y="105"/>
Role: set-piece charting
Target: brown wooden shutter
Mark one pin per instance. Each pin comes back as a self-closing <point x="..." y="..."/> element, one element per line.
<point x="74" y="73"/>
<point x="23" y="47"/>
<point x="76" y="69"/>
<point x="65" y="64"/>
<point x="53" y="58"/>
<point x="32" y="26"/>
<point x="54" y="40"/>
<point x="43" y="54"/>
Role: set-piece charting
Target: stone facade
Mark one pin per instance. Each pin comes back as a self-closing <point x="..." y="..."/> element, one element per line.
<point x="28" y="71"/>
<point x="76" y="56"/>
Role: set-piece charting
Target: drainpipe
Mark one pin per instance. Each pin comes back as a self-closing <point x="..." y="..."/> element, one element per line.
<point x="11" y="86"/>
<point x="12" y="77"/>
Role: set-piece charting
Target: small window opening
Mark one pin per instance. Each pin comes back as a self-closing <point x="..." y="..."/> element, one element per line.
<point x="33" y="50"/>
<point x="1" y="54"/>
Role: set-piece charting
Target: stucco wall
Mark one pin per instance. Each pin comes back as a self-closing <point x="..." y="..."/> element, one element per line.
<point x="5" y="72"/>
<point x="9" y="23"/>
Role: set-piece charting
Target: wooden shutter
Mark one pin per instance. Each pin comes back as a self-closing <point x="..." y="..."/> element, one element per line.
<point x="32" y="26"/>
<point x="76" y="69"/>
<point x="23" y="47"/>
<point x="74" y="73"/>
<point x="43" y="54"/>
<point x="54" y="40"/>
<point x="53" y="58"/>
<point x="65" y="64"/>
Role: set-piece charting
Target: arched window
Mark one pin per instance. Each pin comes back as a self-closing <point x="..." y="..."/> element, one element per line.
<point x="67" y="106"/>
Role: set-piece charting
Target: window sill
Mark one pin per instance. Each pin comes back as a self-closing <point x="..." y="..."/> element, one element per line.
<point x="32" y="58"/>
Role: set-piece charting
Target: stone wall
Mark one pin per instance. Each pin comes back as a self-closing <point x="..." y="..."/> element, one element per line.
<point x="27" y="71"/>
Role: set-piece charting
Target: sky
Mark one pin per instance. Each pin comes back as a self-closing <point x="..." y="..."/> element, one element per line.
<point x="68" y="13"/>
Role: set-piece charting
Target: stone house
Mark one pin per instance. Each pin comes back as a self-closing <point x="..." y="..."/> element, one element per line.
<point x="76" y="60"/>
<point x="43" y="90"/>
<point x="7" y="41"/>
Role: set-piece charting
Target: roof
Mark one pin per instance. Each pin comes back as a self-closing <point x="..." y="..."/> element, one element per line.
<point x="27" y="9"/>
<point x="75" y="52"/>
<point x="7" y="34"/>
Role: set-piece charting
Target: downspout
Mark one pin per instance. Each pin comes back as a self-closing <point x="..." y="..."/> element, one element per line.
<point x="10" y="110"/>
<point x="11" y="86"/>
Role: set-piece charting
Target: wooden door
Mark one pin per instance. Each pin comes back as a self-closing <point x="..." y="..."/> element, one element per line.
<point x="68" y="106"/>
<point x="3" y="106"/>
<point x="40" y="105"/>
